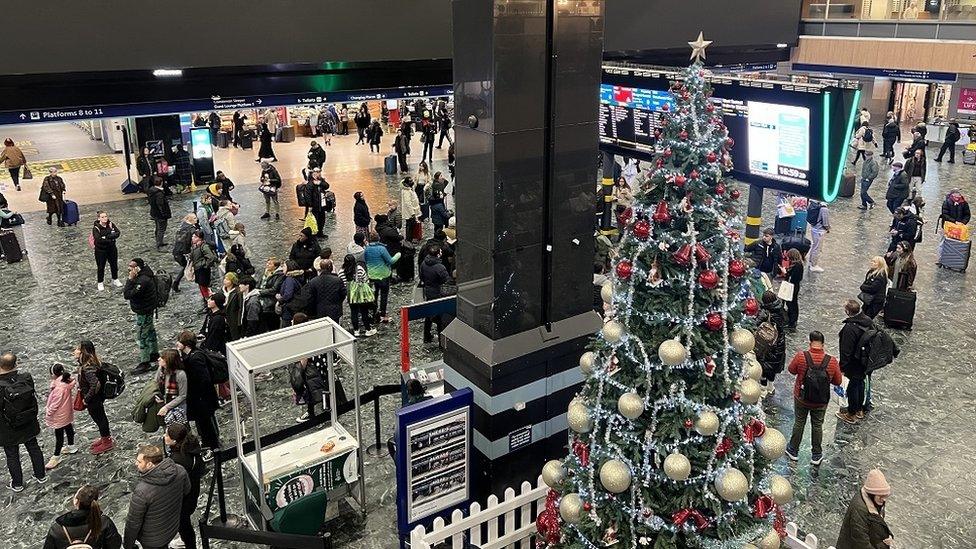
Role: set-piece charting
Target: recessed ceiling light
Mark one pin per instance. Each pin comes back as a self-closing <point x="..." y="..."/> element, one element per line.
<point x="167" y="73"/>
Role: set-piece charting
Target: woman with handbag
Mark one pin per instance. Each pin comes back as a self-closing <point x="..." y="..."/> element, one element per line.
<point x="103" y="236"/>
<point x="171" y="387"/>
<point x="52" y="194"/>
<point x="794" y="275"/>
<point x="874" y="288"/>
<point x="13" y="159"/>
<point x="361" y="295"/>
<point x="90" y="389"/>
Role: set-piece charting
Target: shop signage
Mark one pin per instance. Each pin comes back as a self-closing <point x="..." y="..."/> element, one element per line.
<point x="896" y="74"/>
<point x="967" y="101"/>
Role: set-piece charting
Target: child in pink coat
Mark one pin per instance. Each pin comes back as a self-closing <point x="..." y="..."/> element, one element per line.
<point x="59" y="413"/>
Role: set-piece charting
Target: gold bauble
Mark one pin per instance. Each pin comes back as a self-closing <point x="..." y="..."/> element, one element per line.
<point x="770" y="540"/>
<point x="613" y="331"/>
<point x="606" y="292"/>
<point x="587" y="360"/>
<point x="672" y="352"/>
<point x="707" y="423"/>
<point x="780" y="489"/>
<point x="731" y="484"/>
<point x="772" y="445"/>
<point x="742" y="340"/>
<point x="615" y="476"/>
<point x="749" y="391"/>
<point x="753" y="370"/>
<point x="630" y="405"/>
<point x="677" y="466"/>
<point x="553" y="473"/>
<point x="578" y="417"/>
<point x="571" y="508"/>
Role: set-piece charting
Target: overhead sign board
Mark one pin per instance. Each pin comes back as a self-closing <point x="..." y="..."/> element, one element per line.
<point x="895" y="74"/>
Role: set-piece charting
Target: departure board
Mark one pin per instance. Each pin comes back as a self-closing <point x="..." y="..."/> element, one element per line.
<point x="629" y="116"/>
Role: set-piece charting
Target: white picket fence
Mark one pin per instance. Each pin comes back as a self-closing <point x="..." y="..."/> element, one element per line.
<point x="510" y="524"/>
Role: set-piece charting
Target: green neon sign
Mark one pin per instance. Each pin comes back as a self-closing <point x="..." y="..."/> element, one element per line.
<point x="830" y="192"/>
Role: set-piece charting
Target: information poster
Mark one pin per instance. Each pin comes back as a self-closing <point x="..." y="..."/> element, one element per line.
<point x="437" y="457"/>
<point x="779" y="142"/>
<point x="967" y="101"/>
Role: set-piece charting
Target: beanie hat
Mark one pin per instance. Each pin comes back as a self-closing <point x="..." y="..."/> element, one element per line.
<point x="876" y="484"/>
<point x="307" y="231"/>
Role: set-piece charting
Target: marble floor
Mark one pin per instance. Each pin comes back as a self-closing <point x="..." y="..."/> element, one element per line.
<point x="919" y="434"/>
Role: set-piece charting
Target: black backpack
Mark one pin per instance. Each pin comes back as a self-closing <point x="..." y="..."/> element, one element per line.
<point x="876" y="349"/>
<point x="816" y="381"/>
<point x="163" y="283"/>
<point x="300" y="301"/>
<point x="813" y="213"/>
<point x="19" y="401"/>
<point x="112" y="379"/>
<point x="868" y="135"/>
<point x="330" y="201"/>
<point x="217" y="364"/>
<point x="302" y="191"/>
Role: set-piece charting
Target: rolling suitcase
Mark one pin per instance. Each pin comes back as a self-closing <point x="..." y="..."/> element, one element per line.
<point x="847" y="185"/>
<point x="223" y="140"/>
<point x="799" y="221"/>
<point x="247" y="141"/>
<point x="899" y="311"/>
<point x="798" y="241"/>
<point x="71" y="215"/>
<point x="954" y="254"/>
<point x="783" y="225"/>
<point x="390" y="165"/>
<point x="10" y="246"/>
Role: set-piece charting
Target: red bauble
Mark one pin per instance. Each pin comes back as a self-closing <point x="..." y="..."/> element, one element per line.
<point x="723" y="447"/>
<point x="667" y="153"/>
<point x="624" y="217"/>
<point x="720" y="189"/>
<point x="702" y="254"/>
<point x="657" y="134"/>
<point x="582" y="452"/>
<point x="693" y="174"/>
<point x="713" y="321"/>
<point x="709" y="107"/>
<point x="587" y="506"/>
<point x="737" y="268"/>
<point x="683" y="255"/>
<point x="751" y="306"/>
<point x="708" y="279"/>
<point x="642" y="229"/>
<point x="661" y="214"/>
<point x="735" y="194"/>
<point x="711" y="156"/>
<point x="659" y="163"/>
<point x="729" y="142"/>
<point x="680" y="180"/>
<point x="736" y="396"/>
<point x="665" y="107"/>
<point x="624" y="270"/>
<point x="683" y="134"/>
<point x="689" y="423"/>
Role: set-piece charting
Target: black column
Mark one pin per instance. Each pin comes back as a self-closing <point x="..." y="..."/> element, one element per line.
<point x="526" y="104"/>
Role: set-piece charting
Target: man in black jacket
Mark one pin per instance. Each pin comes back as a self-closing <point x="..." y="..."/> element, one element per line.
<point x="159" y="209"/>
<point x="326" y="292"/>
<point x="315" y="197"/>
<point x="904" y="226"/>
<point x="304" y="251"/>
<point x="433" y="277"/>
<point x="854" y="327"/>
<point x="766" y="252"/>
<point x="447" y="251"/>
<point x="201" y="397"/>
<point x="389" y="234"/>
<point x="952" y="136"/>
<point x="18" y="422"/>
<point x="401" y="146"/>
<point x="316" y="156"/>
<point x="140" y="291"/>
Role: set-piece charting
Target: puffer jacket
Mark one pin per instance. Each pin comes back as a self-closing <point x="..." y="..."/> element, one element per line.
<point x="141" y="292"/>
<point x="154" y="508"/>
<point x="76" y="524"/>
<point x="775" y="358"/>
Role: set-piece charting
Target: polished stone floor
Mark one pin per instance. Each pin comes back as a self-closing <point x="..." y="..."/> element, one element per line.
<point x="919" y="435"/>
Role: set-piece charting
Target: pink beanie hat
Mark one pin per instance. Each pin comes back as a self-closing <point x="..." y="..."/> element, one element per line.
<point x="876" y="484"/>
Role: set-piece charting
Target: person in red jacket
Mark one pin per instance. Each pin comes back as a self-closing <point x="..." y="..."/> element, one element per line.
<point x="811" y="394"/>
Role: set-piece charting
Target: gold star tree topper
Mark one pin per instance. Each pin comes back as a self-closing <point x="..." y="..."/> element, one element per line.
<point x="698" y="47"/>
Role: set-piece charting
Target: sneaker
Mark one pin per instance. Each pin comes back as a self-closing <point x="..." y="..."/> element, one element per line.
<point x="177" y="543"/>
<point x="303" y="418"/>
<point x="16" y="488"/>
<point x="116" y="283"/>
<point x="18" y="187"/>
<point x="41" y="480"/>
<point x="103" y="445"/>
<point x="266" y="216"/>
<point x="847" y="418"/>
<point x="69" y="450"/>
<point x="816" y="460"/>
<point x="370" y="332"/>
<point x="53" y="462"/>
<point x="101" y="287"/>
<point x="208" y="455"/>
<point x="816" y="269"/>
<point x="863" y="208"/>
<point x="859" y="415"/>
<point x="792" y="454"/>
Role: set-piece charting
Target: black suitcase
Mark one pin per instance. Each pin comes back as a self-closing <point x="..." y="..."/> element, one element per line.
<point x="847" y="185"/>
<point x="899" y="311"/>
<point x="10" y="246"/>
<point x="405" y="266"/>
<point x="223" y="140"/>
<point x="798" y="241"/>
<point x="247" y="142"/>
<point x="783" y="225"/>
<point x="954" y="254"/>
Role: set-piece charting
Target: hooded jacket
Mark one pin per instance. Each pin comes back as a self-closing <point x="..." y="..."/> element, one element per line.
<point x="182" y="242"/>
<point x="104" y="237"/>
<point x="956" y="210"/>
<point x="304" y="252"/>
<point x="251" y="314"/>
<point x="854" y="327"/>
<point x="378" y="261"/>
<point x="216" y="332"/>
<point x="158" y="203"/>
<point x="864" y="525"/>
<point x="76" y="524"/>
<point x="141" y="292"/>
<point x="316" y="157"/>
<point x="766" y="256"/>
<point x="360" y="213"/>
<point x="154" y="508"/>
<point x="433" y="276"/>
<point x="201" y="397"/>
<point x="409" y="203"/>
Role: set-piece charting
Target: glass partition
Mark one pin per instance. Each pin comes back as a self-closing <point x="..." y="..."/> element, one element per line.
<point x="891" y="10"/>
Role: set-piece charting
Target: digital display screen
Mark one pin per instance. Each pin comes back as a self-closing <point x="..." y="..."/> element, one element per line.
<point x="779" y="142"/>
<point x="200" y="143"/>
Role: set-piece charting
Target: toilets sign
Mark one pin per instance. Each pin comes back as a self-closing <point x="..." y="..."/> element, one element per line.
<point x="967" y="101"/>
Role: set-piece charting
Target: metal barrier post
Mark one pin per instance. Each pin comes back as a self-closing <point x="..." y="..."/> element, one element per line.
<point x="376" y="449"/>
<point x="231" y="521"/>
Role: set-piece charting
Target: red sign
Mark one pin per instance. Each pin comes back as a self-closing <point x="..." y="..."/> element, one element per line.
<point x="967" y="101"/>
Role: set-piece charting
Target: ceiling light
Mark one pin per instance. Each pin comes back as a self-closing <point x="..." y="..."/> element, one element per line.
<point x="167" y="73"/>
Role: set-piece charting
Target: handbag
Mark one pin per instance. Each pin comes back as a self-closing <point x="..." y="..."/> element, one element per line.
<point x="43" y="196"/>
<point x="188" y="272"/>
<point x="865" y="298"/>
<point x="311" y="223"/>
<point x="28" y="174"/>
<point x="91" y="240"/>
<point x="79" y="404"/>
<point x="176" y="415"/>
<point x="361" y="293"/>
<point x="786" y="290"/>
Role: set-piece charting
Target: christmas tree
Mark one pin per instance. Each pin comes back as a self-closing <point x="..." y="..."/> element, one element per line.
<point x="670" y="447"/>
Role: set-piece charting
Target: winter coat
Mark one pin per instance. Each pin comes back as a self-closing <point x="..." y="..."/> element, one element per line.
<point x="202" y="257"/>
<point x="314" y="195"/>
<point x="917" y="145"/>
<point x="105" y="237"/>
<point x="326" y="294"/>
<point x="439" y="214"/>
<point x="775" y="357"/>
<point x="906" y="228"/>
<point x="956" y="212"/>
<point x="76" y="524"/>
<point x="141" y="292"/>
<point x="891" y="133"/>
<point x="870" y="169"/>
<point x="184" y="169"/>
<point x="910" y="165"/>
<point x="864" y="525"/>
<point x="316" y="157"/>
<point x="798" y="367"/>
<point x="216" y="333"/>
<point x="906" y="278"/>
<point x="409" y="203"/>
<point x="874" y="291"/>
<point x="859" y="136"/>
<point x="12" y="157"/>
<point x="390" y="237"/>
<point x="360" y="213"/>
<point x="854" y="327"/>
<point x="269" y="287"/>
<point x="224" y="222"/>
<point x="201" y="397"/>
<point x="177" y="401"/>
<point x="304" y="253"/>
<point x="447" y="253"/>
<point x="433" y="277"/>
<point x="953" y="134"/>
<point x="307" y="380"/>
<point x="767" y="256"/>
<point x="158" y="204"/>
<point x="59" y="410"/>
<point x="88" y="383"/>
<point x="234" y="309"/>
<point x="374" y="134"/>
<point x="378" y="261"/>
<point x="290" y="288"/>
<point x="145" y="167"/>
<point x="898" y="186"/>
<point x="271" y="173"/>
<point x="153" y="518"/>
<point x="251" y="314"/>
<point x="10" y="435"/>
<point x="401" y="143"/>
<point x="54" y="186"/>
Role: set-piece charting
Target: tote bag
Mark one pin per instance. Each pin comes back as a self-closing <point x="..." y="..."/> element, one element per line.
<point x="785" y="291"/>
<point x="28" y="174"/>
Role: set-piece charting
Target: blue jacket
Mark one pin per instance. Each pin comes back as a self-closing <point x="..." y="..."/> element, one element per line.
<point x="379" y="263"/>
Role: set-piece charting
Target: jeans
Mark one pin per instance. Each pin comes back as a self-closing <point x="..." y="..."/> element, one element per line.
<point x="893" y="204"/>
<point x="865" y="197"/>
<point x="146" y="337"/>
<point x="428" y="151"/>
<point x="110" y="256"/>
<point x="96" y="409"/>
<point x="888" y="149"/>
<point x="160" y="231"/>
<point x="947" y="146"/>
<point x="208" y="431"/>
<point x="800" y="411"/>
<point x="855" y="395"/>
<point x="319" y="215"/>
<point x="792" y="311"/>
<point x="362" y="135"/>
<point x="859" y="154"/>
<point x="915" y="185"/>
<point x="15" y="176"/>
<point x="402" y="159"/>
<point x="867" y="393"/>
<point x="268" y="199"/>
<point x="816" y="246"/>
<point x="382" y="288"/>
<point x="436" y="319"/>
<point x="181" y="261"/>
<point x="13" y="461"/>
<point x="59" y="435"/>
<point x="360" y="311"/>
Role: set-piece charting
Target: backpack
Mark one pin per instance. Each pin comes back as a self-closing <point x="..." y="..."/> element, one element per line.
<point x="299" y="302"/>
<point x="766" y="336"/>
<point x="302" y="191"/>
<point x="868" y="136"/>
<point x="112" y="379"/>
<point x="330" y="201"/>
<point x="19" y="402"/>
<point x="76" y="543"/>
<point x="163" y="283"/>
<point x="813" y="213"/>
<point x="876" y="349"/>
<point x="816" y="382"/>
<point x="217" y="364"/>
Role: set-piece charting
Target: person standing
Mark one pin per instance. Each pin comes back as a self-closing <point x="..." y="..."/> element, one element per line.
<point x="794" y="275"/>
<point x="271" y="183"/>
<point x="374" y="135"/>
<point x="268" y="288"/>
<point x="201" y="397"/>
<point x="291" y="287"/>
<point x="955" y="209"/>
<point x="873" y="291"/>
<point x="862" y="140"/>
<point x="422" y="188"/>
<point x="183" y="175"/>
<point x="202" y="259"/>
<point x="233" y="304"/>
<point x="915" y="168"/>
<point x="433" y="277"/>
<point x="953" y="135"/>
<point x="304" y="251"/>
<point x="904" y="227"/>
<point x="84" y="522"/>
<point x="361" y="120"/>
<point x="182" y="245"/>
<point x="18" y="421"/>
<point x="818" y="231"/>
<point x="104" y="235"/>
<point x="864" y="523"/>
<point x="215" y="332"/>
<point x="410" y="207"/>
<point x="266" y="137"/>
<point x="766" y="252"/>
<point x="90" y="387"/>
<point x="159" y="209"/>
<point x="815" y="372"/>
<point x="316" y="156"/>
<point x="140" y="291"/>
<point x="326" y="292"/>
<point x="428" y="133"/>
<point x="13" y="159"/>
<point x="153" y="518"/>
<point x="238" y="121"/>
<point x="898" y="187"/>
<point x="59" y="413"/>
<point x="184" y="449"/>
<point x="379" y="265"/>
<point x="401" y="146"/>
<point x="317" y="198"/>
<point x="902" y="267"/>
<point x="52" y="190"/>
<point x="773" y="358"/>
<point x="854" y="327"/>
<point x="360" y="213"/>
<point x="890" y="134"/>
<point x="869" y="172"/>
